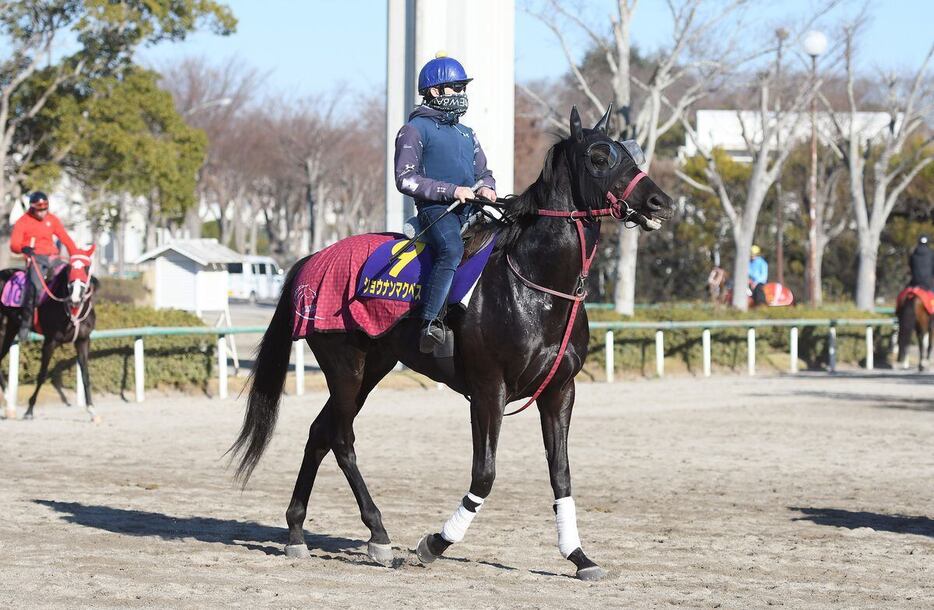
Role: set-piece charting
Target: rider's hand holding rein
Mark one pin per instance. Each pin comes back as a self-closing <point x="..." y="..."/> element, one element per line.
<point x="487" y="193"/>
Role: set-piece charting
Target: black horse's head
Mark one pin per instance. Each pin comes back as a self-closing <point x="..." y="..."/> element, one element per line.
<point x="602" y="170"/>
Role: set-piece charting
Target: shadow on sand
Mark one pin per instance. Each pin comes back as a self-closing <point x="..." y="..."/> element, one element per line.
<point x="247" y="534"/>
<point x="838" y="517"/>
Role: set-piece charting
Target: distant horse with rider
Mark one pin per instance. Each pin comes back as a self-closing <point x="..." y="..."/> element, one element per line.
<point x="38" y="235"/>
<point x="523" y="333"/>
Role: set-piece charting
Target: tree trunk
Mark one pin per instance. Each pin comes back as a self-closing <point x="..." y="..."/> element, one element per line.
<point x="193" y="221"/>
<point x="624" y="295"/>
<point x="866" y="276"/>
<point x="741" y="271"/>
<point x="818" y="271"/>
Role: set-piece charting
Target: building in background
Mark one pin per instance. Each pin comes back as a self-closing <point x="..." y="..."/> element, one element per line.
<point x="728" y="129"/>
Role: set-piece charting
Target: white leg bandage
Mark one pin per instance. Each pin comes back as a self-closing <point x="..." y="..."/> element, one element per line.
<point x="566" y="520"/>
<point x="455" y="528"/>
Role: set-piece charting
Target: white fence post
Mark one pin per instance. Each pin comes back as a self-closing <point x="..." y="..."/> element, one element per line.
<point x="705" y="340"/>
<point x="793" y="356"/>
<point x="80" y="397"/>
<point x="660" y="353"/>
<point x="751" y="350"/>
<point x="870" y="352"/>
<point x="300" y="367"/>
<point x="221" y="366"/>
<point x="138" y="369"/>
<point x="610" y="362"/>
<point x="832" y="349"/>
<point x="13" y="382"/>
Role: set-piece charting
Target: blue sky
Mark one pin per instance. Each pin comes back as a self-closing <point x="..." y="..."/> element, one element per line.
<point x="313" y="46"/>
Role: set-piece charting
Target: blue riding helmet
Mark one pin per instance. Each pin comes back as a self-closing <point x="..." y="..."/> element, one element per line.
<point x="439" y="71"/>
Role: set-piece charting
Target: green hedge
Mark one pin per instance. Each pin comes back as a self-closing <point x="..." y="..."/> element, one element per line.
<point x="634" y="350"/>
<point x="171" y="362"/>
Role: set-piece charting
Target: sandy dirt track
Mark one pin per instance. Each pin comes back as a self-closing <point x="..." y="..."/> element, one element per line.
<point x="691" y="492"/>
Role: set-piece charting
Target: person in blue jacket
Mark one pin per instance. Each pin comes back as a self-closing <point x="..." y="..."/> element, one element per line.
<point x="758" y="275"/>
<point x="439" y="160"/>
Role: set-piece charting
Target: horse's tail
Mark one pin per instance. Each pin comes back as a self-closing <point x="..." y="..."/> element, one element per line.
<point x="267" y="380"/>
<point x="906" y="326"/>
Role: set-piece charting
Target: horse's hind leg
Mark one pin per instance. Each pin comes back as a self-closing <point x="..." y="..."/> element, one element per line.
<point x="351" y="374"/>
<point x="555" y="406"/>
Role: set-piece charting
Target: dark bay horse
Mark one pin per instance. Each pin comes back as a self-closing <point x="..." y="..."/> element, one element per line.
<point x="507" y="343"/>
<point x="66" y="316"/>
<point x="913" y="318"/>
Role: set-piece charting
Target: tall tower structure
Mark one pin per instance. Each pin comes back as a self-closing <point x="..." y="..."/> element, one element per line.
<point x="481" y="35"/>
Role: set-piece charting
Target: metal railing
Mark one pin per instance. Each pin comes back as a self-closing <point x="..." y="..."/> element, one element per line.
<point x="139" y="334"/>
<point x="750" y="325"/>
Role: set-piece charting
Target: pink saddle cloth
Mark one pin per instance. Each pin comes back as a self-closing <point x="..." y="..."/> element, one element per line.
<point x="324" y="294"/>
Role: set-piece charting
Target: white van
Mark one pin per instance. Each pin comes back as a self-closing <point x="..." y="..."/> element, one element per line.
<point x="257" y="278"/>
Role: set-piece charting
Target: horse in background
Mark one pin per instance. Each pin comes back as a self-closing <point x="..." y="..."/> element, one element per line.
<point x="65" y="314"/>
<point x="915" y="312"/>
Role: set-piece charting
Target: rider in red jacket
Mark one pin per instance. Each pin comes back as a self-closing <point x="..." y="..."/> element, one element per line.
<point x="33" y="236"/>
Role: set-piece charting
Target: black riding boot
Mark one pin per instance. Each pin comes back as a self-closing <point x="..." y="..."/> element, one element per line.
<point x="432" y="336"/>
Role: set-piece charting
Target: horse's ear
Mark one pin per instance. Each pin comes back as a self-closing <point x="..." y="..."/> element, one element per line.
<point x="604" y="123"/>
<point x="577" y="131"/>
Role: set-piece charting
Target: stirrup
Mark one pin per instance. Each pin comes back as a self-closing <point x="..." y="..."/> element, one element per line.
<point x="431" y="336"/>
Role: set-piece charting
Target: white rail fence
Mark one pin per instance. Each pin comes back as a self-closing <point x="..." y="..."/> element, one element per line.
<point x="750" y="325"/>
<point x="139" y="335"/>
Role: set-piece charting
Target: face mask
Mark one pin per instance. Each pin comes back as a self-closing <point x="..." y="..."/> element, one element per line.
<point x="455" y="103"/>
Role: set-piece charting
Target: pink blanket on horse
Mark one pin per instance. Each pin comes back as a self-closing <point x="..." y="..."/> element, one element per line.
<point x="323" y="297"/>
<point x="925" y="296"/>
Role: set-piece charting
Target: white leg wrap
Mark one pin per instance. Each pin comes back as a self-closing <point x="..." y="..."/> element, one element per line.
<point x="455" y="528"/>
<point x="566" y="519"/>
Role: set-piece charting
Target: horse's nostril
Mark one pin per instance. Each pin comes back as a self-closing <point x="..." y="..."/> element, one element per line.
<point x="655" y="203"/>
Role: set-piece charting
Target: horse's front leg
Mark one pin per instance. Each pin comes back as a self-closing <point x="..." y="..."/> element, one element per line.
<point x="83" y="349"/>
<point x="555" y="406"/>
<point x="486" y="415"/>
<point x="48" y="346"/>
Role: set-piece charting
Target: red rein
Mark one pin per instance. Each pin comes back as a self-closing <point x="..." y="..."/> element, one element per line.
<point x="580" y="292"/>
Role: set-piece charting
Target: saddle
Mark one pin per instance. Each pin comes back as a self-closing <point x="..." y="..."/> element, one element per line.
<point x="14" y="290"/>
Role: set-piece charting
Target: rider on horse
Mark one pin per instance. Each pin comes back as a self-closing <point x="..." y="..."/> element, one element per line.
<point x="439" y="161"/>
<point x="32" y="237"/>
<point x="758" y="275"/>
<point x="921" y="263"/>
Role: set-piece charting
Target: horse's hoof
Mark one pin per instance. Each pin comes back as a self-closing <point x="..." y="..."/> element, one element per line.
<point x="96" y="419"/>
<point x="424" y="554"/>
<point x="591" y="574"/>
<point x="10" y="413"/>
<point x="27" y="415"/>
<point x="297" y="551"/>
<point x="380" y="553"/>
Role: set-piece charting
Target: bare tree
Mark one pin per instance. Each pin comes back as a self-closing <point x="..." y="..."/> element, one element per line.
<point x="678" y="77"/>
<point x="882" y="167"/>
<point x="215" y="98"/>
<point x="762" y="133"/>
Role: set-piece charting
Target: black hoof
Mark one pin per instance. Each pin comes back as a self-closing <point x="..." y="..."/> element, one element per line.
<point x="586" y="569"/>
<point x="27" y="415"/>
<point x="297" y="551"/>
<point x="430" y="547"/>
<point x="380" y="553"/>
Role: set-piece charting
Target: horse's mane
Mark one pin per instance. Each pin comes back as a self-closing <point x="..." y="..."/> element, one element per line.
<point x="521" y="208"/>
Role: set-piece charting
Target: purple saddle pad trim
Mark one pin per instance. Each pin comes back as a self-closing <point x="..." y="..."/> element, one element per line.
<point x="402" y="280"/>
<point x="14" y="289"/>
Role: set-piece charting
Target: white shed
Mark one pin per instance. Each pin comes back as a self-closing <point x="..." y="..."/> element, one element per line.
<point x="191" y="274"/>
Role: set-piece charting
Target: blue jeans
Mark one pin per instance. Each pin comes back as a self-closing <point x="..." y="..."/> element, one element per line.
<point x="445" y="240"/>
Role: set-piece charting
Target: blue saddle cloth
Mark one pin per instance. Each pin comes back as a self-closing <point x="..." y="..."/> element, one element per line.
<point x="403" y="278"/>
